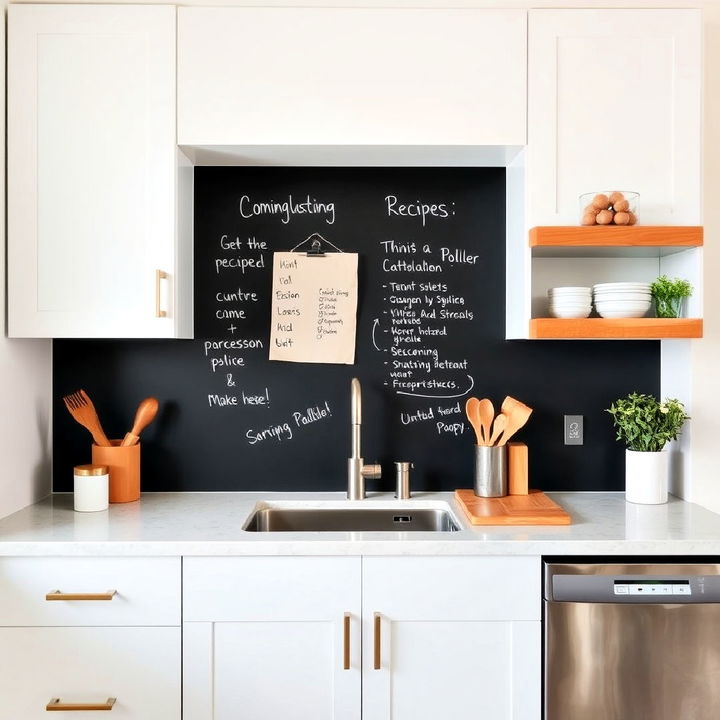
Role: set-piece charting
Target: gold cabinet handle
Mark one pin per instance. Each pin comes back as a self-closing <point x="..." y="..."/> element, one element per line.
<point x="58" y="595"/>
<point x="377" y="644"/>
<point x="56" y="705"/>
<point x="346" y="641"/>
<point x="159" y="275"/>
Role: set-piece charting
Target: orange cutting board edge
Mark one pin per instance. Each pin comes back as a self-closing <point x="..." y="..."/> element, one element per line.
<point x="536" y="508"/>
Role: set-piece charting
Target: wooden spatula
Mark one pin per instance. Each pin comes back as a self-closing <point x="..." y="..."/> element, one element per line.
<point x="81" y="408"/>
<point x="498" y="428"/>
<point x="472" y="411"/>
<point x="517" y="415"/>
<point x="487" y="414"/>
<point x="144" y="415"/>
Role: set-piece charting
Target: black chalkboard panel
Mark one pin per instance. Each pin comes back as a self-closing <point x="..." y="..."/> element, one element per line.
<point x="431" y="247"/>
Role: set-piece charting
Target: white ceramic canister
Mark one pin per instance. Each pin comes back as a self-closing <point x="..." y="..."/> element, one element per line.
<point x="91" y="488"/>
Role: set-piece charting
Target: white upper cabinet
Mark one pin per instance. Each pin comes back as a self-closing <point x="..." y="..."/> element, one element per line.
<point x="614" y="102"/>
<point x="352" y="76"/>
<point x="93" y="173"/>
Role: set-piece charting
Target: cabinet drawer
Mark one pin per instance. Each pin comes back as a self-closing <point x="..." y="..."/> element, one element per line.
<point x="475" y="589"/>
<point x="271" y="589"/>
<point x="139" y="667"/>
<point x="147" y="591"/>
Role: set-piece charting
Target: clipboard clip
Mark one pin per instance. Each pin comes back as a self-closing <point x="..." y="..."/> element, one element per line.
<point x="316" y="248"/>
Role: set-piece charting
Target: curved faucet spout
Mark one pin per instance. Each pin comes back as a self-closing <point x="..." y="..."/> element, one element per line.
<point x="355" y="417"/>
<point x="357" y="470"/>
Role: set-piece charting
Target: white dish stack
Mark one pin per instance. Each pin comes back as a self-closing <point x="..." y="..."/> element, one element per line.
<point x="622" y="299"/>
<point x="570" y="302"/>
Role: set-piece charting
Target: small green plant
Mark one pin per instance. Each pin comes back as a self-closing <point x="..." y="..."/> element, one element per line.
<point x="644" y="423"/>
<point x="668" y="295"/>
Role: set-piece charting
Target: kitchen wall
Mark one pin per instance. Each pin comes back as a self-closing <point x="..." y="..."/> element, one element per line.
<point x="27" y="363"/>
<point x="415" y="378"/>
<point x="25" y="389"/>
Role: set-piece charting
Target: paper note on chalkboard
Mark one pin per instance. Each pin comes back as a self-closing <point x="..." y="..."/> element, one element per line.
<point x="314" y="308"/>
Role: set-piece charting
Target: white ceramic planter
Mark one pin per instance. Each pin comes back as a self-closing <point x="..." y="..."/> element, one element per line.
<point x="646" y="477"/>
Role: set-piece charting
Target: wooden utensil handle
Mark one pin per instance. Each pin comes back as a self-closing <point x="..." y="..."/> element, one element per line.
<point x="130" y="439"/>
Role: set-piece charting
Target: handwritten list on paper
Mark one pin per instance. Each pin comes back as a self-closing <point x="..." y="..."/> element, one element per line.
<point x="314" y="308"/>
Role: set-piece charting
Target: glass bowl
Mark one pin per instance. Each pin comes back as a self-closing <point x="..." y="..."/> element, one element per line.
<point x="609" y="207"/>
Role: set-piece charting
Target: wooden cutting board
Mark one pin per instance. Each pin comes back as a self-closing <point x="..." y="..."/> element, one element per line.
<point x="536" y="508"/>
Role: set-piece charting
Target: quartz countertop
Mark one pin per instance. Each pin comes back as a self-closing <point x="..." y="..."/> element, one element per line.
<point x="211" y="524"/>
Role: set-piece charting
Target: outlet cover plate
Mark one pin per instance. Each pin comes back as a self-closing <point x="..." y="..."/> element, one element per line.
<point x="573" y="429"/>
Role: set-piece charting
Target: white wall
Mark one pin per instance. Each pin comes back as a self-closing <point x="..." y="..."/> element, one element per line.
<point x="26" y="365"/>
<point x="25" y="389"/>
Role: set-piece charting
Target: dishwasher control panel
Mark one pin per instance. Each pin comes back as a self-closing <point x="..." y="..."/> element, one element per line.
<point x="652" y="587"/>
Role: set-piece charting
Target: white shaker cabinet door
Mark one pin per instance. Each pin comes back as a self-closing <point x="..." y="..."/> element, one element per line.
<point x="614" y="103"/>
<point x="91" y="171"/>
<point x="451" y="638"/>
<point x="351" y="76"/>
<point x="137" y="667"/>
<point x="276" y="638"/>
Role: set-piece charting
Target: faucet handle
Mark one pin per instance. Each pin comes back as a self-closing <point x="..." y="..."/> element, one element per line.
<point x="402" y="480"/>
<point x="372" y="472"/>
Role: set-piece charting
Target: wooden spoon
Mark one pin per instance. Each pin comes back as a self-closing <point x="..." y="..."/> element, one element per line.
<point x="517" y="415"/>
<point x="472" y="412"/>
<point x="498" y="428"/>
<point x="144" y="415"/>
<point x="487" y="414"/>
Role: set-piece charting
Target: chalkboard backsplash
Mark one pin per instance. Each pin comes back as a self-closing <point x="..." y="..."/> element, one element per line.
<point x="430" y="329"/>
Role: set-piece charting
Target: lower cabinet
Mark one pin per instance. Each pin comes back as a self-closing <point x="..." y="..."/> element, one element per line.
<point x="130" y="670"/>
<point x="407" y="638"/>
<point x="271" y="637"/>
<point x="448" y="637"/>
<point x="82" y="635"/>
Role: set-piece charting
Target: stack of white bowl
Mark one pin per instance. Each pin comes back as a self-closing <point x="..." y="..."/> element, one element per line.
<point x="570" y="302"/>
<point x="622" y="299"/>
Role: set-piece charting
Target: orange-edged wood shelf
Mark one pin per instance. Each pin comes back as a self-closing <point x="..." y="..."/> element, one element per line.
<point x="617" y="236"/>
<point x="615" y="329"/>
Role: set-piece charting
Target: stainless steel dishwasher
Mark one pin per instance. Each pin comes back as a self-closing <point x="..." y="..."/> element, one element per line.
<point x="632" y="641"/>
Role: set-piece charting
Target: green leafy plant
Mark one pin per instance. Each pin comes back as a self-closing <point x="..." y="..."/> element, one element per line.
<point x="668" y="295"/>
<point x="644" y="423"/>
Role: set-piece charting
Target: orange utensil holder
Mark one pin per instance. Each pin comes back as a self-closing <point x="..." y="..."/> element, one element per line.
<point x="124" y="467"/>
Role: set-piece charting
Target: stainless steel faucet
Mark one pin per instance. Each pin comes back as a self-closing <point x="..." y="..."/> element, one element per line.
<point x="357" y="470"/>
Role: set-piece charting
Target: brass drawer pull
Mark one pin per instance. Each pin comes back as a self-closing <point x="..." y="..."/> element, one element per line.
<point x="58" y="595"/>
<point x="56" y="705"/>
<point x="346" y="642"/>
<point x="159" y="275"/>
<point x="377" y="645"/>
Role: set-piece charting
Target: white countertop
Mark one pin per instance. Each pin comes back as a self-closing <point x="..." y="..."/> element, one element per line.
<point x="211" y="524"/>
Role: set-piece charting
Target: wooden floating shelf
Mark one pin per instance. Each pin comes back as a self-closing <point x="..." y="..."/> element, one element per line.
<point x="617" y="236"/>
<point x="615" y="329"/>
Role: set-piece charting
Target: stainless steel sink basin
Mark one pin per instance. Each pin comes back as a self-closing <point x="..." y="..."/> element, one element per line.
<point x="334" y="518"/>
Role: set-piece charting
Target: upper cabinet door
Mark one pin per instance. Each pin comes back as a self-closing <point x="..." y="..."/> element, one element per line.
<point x="327" y="76"/>
<point x="614" y="103"/>
<point x="91" y="171"/>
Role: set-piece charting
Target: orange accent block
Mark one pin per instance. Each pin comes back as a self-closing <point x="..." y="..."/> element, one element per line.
<point x="536" y="508"/>
<point x="124" y="469"/>
<point x="517" y="468"/>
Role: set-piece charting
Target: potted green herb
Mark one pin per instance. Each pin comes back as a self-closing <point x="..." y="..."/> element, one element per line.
<point x="646" y="425"/>
<point x="669" y="295"/>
